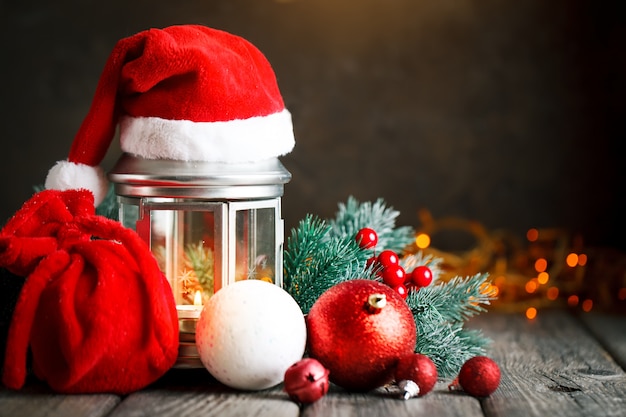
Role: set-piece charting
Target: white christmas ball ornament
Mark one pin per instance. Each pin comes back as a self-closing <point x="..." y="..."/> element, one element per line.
<point x="249" y="333"/>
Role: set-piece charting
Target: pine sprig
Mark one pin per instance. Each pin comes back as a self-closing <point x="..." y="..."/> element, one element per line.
<point x="455" y="301"/>
<point x="440" y="311"/>
<point x="354" y="215"/>
<point x="411" y="261"/>
<point x="109" y="207"/>
<point x="201" y="261"/>
<point x="449" y="346"/>
<point x="314" y="261"/>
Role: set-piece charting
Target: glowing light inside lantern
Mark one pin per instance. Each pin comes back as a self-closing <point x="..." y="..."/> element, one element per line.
<point x="197" y="298"/>
<point x="531" y="313"/>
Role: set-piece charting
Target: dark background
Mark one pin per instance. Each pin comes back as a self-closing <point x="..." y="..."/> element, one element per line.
<point x="504" y="112"/>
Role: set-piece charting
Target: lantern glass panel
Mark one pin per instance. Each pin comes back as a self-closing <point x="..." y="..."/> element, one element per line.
<point x="255" y="244"/>
<point x="129" y="212"/>
<point x="183" y="243"/>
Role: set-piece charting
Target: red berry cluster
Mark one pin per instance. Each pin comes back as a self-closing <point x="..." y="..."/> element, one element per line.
<point x="390" y="270"/>
<point x="394" y="275"/>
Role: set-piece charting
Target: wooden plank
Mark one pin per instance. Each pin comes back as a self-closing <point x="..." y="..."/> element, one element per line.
<point x="387" y="402"/>
<point x="551" y="366"/>
<point x="610" y="330"/>
<point x="37" y="400"/>
<point x="171" y="402"/>
<point x="195" y="392"/>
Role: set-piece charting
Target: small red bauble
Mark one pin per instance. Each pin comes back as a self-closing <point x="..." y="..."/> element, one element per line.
<point x="393" y="275"/>
<point x="306" y="381"/>
<point x="359" y="329"/>
<point x="387" y="258"/>
<point x="422" y="276"/>
<point x="419" y="369"/>
<point x="366" y="238"/>
<point x="479" y="376"/>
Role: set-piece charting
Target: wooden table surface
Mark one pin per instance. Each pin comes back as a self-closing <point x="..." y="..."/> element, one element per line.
<point x="559" y="364"/>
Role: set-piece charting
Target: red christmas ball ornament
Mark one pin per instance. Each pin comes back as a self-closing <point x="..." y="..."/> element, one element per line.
<point x="419" y="369"/>
<point x="306" y="381"/>
<point x="422" y="276"/>
<point x="359" y="329"/>
<point x="393" y="275"/>
<point x="366" y="238"/>
<point x="479" y="376"/>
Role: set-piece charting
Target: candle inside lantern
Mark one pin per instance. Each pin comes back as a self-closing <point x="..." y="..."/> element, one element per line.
<point x="197" y="299"/>
<point x="191" y="311"/>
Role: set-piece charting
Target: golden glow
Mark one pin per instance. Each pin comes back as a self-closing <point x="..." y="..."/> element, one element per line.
<point x="197" y="298"/>
<point x="587" y="305"/>
<point x="582" y="259"/>
<point x="571" y="260"/>
<point x="531" y="286"/>
<point x="572" y="300"/>
<point x="541" y="265"/>
<point x="494" y="291"/>
<point x="531" y="313"/>
<point x="422" y="240"/>
<point x="532" y="235"/>
<point x="552" y="293"/>
<point x="500" y="280"/>
<point x="489" y="289"/>
<point x="543" y="278"/>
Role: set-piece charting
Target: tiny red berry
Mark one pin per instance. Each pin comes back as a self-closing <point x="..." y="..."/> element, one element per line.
<point x="393" y="275"/>
<point x="371" y="262"/>
<point x="388" y="257"/>
<point x="366" y="238"/>
<point x="422" y="276"/>
<point x="401" y="290"/>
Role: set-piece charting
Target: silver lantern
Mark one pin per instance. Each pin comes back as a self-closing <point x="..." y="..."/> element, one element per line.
<point x="208" y="224"/>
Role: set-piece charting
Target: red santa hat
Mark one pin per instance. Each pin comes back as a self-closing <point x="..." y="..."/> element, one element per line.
<point x="188" y="93"/>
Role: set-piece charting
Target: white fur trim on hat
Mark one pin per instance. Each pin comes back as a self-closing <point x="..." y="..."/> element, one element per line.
<point x="67" y="175"/>
<point x="252" y="139"/>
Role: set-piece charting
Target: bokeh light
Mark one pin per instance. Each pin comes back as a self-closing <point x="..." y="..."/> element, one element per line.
<point x="422" y="241"/>
<point x="531" y="313"/>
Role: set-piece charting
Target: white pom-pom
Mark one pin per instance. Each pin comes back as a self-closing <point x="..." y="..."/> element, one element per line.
<point x="67" y="175"/>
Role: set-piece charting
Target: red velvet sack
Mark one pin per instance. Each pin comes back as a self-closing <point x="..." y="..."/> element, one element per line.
<point x="96" y="311"/>
<point x="37" y="228"/>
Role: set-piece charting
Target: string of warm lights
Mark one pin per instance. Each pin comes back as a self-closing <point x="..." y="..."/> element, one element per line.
<point x="547" y="269"/>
